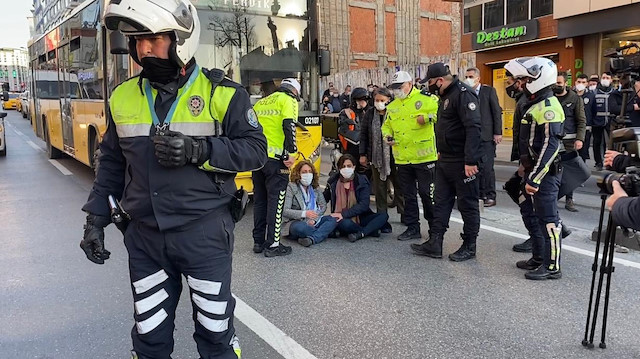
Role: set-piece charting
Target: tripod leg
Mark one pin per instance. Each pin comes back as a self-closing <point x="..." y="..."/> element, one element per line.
<point x="605" y="253"/>
<point x="610" y="270"/>
<point x="594" y="269"/>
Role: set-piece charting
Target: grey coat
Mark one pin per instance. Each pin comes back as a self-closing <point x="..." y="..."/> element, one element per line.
<point x="294" y="203"/>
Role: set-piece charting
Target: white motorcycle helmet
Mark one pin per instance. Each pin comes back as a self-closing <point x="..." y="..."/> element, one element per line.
<point x="142" y="17"/>
<point x="539" y="71"/>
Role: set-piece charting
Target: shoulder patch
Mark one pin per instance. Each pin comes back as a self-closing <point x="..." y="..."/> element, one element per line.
<point x="549" y="115"/>
<point x="418" y="105"/>
<point x="445" y="104"/>
<point x="472" y="106"/>
<point x="586" y="100"/>
<point x="252" y="118"/>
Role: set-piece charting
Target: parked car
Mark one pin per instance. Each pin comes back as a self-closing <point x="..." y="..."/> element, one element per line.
<point x="3" y="142"/>
<point x="23" y="105"/>
<point x="11" y="102"/>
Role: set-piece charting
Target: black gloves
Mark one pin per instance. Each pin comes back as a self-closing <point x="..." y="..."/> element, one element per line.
<point x="173" y="149"/>
<point x="93" y="242"/>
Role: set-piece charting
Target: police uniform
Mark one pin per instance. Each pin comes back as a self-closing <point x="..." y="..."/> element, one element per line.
<point x="181" y="224"/>
<point x="600" y="129"/>
<point x="277" y="113"/>
<point x="544" y="120"/>
<point x="414" y="152"/>
<point x="589" y="101"/>
<point x="458" y="143"/>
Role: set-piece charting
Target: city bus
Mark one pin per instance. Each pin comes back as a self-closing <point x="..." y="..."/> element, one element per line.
<point x="75" y="66"/>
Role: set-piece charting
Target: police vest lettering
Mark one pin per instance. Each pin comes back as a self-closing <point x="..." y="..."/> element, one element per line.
<point x="272" y="111"/>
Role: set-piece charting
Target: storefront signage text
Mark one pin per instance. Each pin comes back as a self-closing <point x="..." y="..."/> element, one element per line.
<point x="505" y="35"/>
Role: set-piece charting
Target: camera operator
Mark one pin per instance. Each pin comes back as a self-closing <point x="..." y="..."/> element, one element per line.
<point x="617" y="161"/>
<point x="624" y="209"/>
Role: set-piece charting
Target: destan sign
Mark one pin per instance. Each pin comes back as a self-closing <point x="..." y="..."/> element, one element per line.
<point x="505" y="35"/>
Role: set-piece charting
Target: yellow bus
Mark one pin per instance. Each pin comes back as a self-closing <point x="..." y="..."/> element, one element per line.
<point x="75" y="66"/>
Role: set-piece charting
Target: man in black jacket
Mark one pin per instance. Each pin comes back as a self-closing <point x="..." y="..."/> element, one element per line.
<point x="458" y="143"/>
<point x="589" y="101"/>
<point x="491" y="133"/>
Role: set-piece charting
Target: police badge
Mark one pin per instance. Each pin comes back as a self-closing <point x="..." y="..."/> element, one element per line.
<point x="252" y="118"/>
<point x="418" y="105"/>
<point x="196" y="104"/>
<point x="446" y="104"/>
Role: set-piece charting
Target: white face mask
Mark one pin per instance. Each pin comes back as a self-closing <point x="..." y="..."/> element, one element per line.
<point x="470" y="82"/>
<point x="306" y="179"/>
<point x="580" y="87"/>
<point x="399" y="93"/>
<point x="254" y="89"/>
<point x="593" y="87"/>
<point x="346" y="172"/>
<point x="605" y="82"/>
<point x="380" y="106"/>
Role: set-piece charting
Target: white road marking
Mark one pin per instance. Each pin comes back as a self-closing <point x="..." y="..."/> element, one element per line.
<point x="32" y="144"/>
<point x="573" y="249"/>
<point x="60" y="167"/>
<point x="272" y="335"/>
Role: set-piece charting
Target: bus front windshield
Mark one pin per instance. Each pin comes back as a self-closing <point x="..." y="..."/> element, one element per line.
<point x="257" y="50"/>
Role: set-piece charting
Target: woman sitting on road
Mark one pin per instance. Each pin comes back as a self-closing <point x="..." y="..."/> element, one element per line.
<point x="350" y="202"/>
<point x="305" y="205"/>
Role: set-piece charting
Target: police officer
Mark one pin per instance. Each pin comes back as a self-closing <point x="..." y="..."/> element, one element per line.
<point x="539" y="161"/>
<point x="160" y="155"/>
<point x="589" y="101"/>
<point x="278" y="114"/>
<point x="458" y="143"/>
<point x="409" y="128"/>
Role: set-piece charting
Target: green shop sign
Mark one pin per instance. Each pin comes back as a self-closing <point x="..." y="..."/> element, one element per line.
<point x="505" y="35"/>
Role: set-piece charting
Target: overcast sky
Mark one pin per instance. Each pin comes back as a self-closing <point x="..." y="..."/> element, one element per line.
<point x="13" y="22"/>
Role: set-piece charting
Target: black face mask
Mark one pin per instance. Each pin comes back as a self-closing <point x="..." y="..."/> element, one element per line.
<point x="512" y="91"/>
<point x="159" y="70"/>
<point x="557" y="89"/>
<point x="434" y="89"/>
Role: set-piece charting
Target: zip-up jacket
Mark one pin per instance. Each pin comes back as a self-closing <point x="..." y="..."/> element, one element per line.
<point x="544" y="122"/>
<point x="278" y="114"/>
<point x="603" y="106"/>
<point x="518" y="113"/>
<point x="458" y="126"/>
<point x="173" y="197"/>
<point x="589" y="101"/>
<point x="575" y="121"/>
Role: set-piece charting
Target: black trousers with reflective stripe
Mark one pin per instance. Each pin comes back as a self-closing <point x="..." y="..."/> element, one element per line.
<point x="269" y="190"/>
<point x="451" y="182"/>
<point x="200" y="251"/>
<point x="417" y="179"/>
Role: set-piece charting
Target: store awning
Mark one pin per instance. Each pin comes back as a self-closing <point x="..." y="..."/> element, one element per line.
<point x="614" y="19"/>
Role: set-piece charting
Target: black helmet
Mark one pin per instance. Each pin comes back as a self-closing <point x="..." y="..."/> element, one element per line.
<point x="359" y="93"/>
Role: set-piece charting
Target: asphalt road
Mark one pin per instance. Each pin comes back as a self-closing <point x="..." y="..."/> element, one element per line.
<point x="369" y="299"/>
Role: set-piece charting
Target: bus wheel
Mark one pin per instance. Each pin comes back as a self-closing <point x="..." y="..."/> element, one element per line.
<point x="52" y="152"/>
<point x="95" y="154"/>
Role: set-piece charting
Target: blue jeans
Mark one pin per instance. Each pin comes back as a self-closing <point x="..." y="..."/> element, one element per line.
<point x="368" y="224"/>
<point x="300" y="229"/>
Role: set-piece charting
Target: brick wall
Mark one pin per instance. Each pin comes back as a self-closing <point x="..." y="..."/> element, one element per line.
<point x="383" y="33"/>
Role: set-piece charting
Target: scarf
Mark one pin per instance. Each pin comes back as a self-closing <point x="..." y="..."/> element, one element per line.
<point x="309" y="198"/>
<point x="346" y="198"/>
<point x="380" y="150"/>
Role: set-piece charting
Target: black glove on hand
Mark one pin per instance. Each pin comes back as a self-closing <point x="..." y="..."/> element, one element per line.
<point x="93" y="242"/>
<point x="173" y="149"/>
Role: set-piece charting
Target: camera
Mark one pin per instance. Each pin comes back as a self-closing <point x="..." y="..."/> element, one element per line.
<point x="630" y="181"/>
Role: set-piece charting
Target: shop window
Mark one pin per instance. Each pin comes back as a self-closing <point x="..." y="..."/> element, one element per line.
<point x="494" y="14"/>
<point x="517" y="10"/>
<point x="541" y="8"/>
<point x="473" y="19"/>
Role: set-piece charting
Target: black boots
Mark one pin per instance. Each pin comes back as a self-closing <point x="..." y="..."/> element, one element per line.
<point x="524" y="247"/>
<point x="543" y="273"/>
<point x="431" y="248"/>
<point x="529" y="264"/>
<point x="410" y="233"/>
<point x="466" y="251"/>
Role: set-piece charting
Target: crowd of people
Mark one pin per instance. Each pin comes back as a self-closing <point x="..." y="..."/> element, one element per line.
<point x="436" y="138"/>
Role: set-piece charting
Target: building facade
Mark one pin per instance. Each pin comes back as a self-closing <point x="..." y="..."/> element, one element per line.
<point x="497" y="31"/>
<point x="386" y="33"/>
<point x="14" y="68"/>
<point x="48" y="13"/>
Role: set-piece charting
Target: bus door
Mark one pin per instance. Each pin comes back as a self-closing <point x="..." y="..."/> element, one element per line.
<point x="36" y="115"/>
<point x="65" y="100"/>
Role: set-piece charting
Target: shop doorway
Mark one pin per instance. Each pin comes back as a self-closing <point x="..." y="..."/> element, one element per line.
<point x="507" y="103"/>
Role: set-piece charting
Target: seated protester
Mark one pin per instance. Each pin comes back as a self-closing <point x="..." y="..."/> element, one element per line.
<point x="305" y="205"/>
<point x="350" y="193"/>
